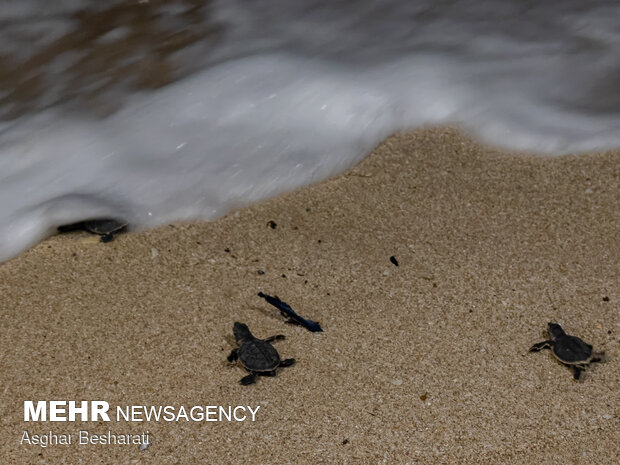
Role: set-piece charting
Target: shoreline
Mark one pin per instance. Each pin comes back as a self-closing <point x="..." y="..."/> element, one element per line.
<point x="423" y="362"/>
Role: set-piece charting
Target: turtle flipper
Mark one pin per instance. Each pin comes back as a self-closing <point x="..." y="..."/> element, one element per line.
<point x="234" y="355"/>
<point x="542" y="345"/>
<point x="268" y="373"/>
<point x="287" y="363"/>
<point x="278" y="337"/>
<point x="598" y="357"/>
<point x="578" y="370"/>
<point x="249" y="379"/>
<point x="109" y="237"/>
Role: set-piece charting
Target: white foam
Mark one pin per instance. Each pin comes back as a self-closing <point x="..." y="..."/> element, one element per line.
<point x="301" y="93"/>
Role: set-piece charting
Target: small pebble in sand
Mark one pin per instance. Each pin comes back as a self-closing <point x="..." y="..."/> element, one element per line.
<point x="397" y="382"/>
<point x="608" y="416"/>
<point x="605" y="299"/>
<point x="424" y="396"/>
<point x="154" y="252"/>
<point x="272" y="224"/>
<point x="393" y="260"/>
<point x="260" y="272"/>
<point x="145" y="446"/>
<point x="346" y="441"/>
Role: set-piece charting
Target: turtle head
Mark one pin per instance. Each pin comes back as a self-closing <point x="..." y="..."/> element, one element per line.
<point x="555" y="330"/>
<point x="241" y="332"/>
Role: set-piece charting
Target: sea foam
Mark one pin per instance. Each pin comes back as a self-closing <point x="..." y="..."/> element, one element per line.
<point x="293" y="92"/>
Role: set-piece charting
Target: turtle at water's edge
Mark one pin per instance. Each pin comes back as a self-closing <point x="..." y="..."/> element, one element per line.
<point x="569" y="350"/>
<point x="257" y="356"/>
<point x="105" y="227"/>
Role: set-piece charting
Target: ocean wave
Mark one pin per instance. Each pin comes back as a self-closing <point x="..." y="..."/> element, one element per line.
<point x="210" y="106"/>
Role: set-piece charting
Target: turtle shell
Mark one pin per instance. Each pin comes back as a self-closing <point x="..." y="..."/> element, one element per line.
<point x="572" y="350"/>
<point x="257" y="355"/>
<point x="104" y="226"/>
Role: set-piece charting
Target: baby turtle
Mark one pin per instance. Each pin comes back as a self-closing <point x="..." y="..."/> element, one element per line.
<point x="569" y="350"/>
<point x="105" y="227"/>
<point x="257" y="356"/>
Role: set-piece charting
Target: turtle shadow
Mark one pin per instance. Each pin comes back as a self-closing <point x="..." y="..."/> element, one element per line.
<point x="268" y="313"/>
<point x="231" y="341"/>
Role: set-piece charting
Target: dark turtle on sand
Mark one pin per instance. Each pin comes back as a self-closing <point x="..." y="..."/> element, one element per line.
<point x="257" y="356"/>
<point x="570" y="350"/>
<point x="105" y="227"/>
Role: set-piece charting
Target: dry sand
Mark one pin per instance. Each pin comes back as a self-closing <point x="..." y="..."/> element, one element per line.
<point x="422" y="363"/>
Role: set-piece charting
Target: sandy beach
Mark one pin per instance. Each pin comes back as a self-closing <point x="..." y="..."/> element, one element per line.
<point x="424" y="362"/>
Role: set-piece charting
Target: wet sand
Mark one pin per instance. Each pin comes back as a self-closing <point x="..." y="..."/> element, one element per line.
<point x="425" y="362"/>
